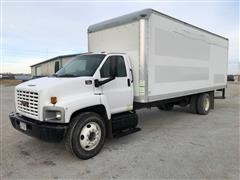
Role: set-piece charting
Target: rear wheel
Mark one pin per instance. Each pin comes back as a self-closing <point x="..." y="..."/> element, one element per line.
<point x="86" y="135"/>
<point x="193" y="104"/>
<point x="203" y="104"/>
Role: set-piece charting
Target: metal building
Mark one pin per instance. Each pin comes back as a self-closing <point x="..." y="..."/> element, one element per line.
<point x="50" y="66"/>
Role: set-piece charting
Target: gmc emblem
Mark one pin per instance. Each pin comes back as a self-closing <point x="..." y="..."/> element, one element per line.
<point x="24" y="103"/>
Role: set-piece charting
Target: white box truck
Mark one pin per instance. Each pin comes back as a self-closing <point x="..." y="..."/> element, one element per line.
<point x="143" y="59"/>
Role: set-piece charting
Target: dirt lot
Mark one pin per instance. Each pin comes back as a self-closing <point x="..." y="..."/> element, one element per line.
<point x="9" y="82"/>
<point x="173" y="145"/>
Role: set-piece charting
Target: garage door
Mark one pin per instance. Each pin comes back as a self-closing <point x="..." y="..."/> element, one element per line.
<point x="38" y="71"/>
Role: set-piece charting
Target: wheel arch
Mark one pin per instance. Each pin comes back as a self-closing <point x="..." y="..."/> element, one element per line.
<point x="99" y="109"/>
<point x="102" y="111"/>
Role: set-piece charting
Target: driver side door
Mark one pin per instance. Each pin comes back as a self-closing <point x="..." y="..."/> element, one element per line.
<point x="119" y="91"/>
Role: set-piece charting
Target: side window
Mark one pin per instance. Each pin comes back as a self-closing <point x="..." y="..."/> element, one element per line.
<point x="113" y="62"/>
<point x="105" y="70"/>
<point x="121" y="68"/>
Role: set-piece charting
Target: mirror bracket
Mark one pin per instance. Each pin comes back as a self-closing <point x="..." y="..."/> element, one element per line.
<point x="98" y="83"/>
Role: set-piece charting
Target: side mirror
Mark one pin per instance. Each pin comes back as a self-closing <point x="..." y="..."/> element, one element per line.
<point x="98" y="83"/>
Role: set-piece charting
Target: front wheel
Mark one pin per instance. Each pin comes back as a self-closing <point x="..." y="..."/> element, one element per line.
<point x="86" y="135"/>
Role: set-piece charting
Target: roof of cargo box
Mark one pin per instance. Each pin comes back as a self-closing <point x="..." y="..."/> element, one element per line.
<point x="145" y="13"/>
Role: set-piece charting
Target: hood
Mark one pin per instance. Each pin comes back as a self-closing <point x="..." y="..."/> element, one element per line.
<point x="50" y="82"/>
<point x="62" y="88"/>
<point x="44" y="83"/>
<point x="54" y="86"/>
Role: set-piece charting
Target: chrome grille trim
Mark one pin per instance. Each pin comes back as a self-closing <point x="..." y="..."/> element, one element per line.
<point x="31" y="102"/>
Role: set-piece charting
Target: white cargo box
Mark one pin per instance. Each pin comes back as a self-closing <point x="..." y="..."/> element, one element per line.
<point x="170" y="58"/>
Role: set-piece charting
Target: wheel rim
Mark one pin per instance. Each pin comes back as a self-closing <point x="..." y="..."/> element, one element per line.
<point x="206" y="104"/>
<point x="90" y="136"/>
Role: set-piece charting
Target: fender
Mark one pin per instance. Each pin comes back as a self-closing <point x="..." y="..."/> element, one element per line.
<point x="75" y="103"/>
<point x="104" y="101"/>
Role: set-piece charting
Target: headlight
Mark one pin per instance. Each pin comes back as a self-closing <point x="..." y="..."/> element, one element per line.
<point x="53" y="114"/>
<point x="58" y="115"/>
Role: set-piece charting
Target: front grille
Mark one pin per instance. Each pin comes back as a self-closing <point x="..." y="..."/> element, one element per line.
<point x="27" y="102"/>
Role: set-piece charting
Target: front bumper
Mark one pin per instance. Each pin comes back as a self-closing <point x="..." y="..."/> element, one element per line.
<point x="51" y="132"/>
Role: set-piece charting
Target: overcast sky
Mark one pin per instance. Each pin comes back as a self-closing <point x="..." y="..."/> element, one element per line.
<point x="33" y="32"/>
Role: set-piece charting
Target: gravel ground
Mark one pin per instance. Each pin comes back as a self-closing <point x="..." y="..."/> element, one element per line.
<point x="171" y="145"/>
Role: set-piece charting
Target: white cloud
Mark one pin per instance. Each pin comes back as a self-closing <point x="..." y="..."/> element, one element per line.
<point x="16" y="68"/>
<point x="19" y="64"/>
<point x="36" y="31"/>
<point x="234" y="67"/>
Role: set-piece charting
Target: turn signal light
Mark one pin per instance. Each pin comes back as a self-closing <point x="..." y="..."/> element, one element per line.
<point x="53" y="100"/>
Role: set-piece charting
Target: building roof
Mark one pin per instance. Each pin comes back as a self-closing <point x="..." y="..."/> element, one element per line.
<point x="145" y="13"/>
<point x="57" y="57"/>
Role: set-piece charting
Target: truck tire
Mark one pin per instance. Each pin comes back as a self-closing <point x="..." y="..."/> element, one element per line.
<point x="203" y="104"/>
<point x="86" y="135"/>
<point x="193" y="104"/>
<point x="166" y="107"/>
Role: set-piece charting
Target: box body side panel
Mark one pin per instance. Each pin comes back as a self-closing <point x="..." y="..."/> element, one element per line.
<point x="183" y="59"/>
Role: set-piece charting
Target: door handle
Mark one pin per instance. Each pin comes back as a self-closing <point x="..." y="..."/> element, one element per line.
<point x="128" y="82"/>
<point x="131" y="75"/>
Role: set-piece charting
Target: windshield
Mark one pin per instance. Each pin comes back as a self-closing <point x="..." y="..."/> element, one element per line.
<point x="83" y="65"/>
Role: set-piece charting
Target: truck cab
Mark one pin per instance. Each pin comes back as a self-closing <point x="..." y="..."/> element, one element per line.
<point x="78" y="102"/>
